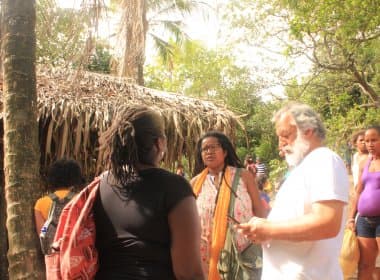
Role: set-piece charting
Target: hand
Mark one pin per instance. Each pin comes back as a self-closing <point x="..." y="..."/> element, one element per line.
<point x="351" y="224"/>
<point x="255" y="230"/>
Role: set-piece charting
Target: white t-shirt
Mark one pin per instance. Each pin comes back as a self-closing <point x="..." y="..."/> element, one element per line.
<point x="355" y="168"/>
<point x="320" y="176"/>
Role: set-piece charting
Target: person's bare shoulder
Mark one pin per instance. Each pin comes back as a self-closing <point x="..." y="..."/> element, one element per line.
<point x="363" y="160"/>
<point x="193" y="180"/>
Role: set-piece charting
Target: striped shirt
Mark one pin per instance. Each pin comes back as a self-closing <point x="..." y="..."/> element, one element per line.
<point x="261" y="168"/>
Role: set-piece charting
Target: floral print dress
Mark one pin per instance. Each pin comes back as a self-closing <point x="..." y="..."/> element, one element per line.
<point x="206" y="203"/>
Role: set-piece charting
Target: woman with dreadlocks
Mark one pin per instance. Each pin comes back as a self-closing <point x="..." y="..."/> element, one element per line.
<point x="147" y="224"/>
<point x="220" y="196"/>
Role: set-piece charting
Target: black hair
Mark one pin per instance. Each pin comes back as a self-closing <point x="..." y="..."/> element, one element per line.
<point x="374" y="127"/>
<point x="132" y="140"/>
<point x="231" y="159"/>
<point x="64" y="173"/>
<point x="356" y="135"/>
<point x="248" y="159"/>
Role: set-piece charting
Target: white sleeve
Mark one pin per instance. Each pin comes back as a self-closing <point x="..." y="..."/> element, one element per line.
<point x="327" y="177"/>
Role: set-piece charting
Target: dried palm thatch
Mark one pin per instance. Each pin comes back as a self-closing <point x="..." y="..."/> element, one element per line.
<point x="73" y="114"/>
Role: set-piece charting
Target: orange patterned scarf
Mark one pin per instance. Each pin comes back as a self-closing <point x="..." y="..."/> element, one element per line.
<point x="219" y="228"/>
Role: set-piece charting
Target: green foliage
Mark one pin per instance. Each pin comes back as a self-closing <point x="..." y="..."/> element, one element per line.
<point x="100" y="61"/>
<point x="208" y="74"/>
<point x="341" y="38"/>
<point x="264" y="150"/>
<point x="278" y="169"/>
<point x="213" y="74"/>
<point x="165" y="20"/>
<point x="63" y="38"/>
<point x="340" y="104"/>
<point x="261" y="132"/>
<point x="60" y="34"/>
<point x="337" y="36"/>
<point x="346" y="18"/>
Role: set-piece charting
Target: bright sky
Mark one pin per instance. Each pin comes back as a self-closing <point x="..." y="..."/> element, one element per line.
<point x="69" y="3"/>
<point x="198" y="26"/>
<point x="205" y="28"/>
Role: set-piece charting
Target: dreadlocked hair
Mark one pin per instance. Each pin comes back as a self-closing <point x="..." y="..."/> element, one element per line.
<point x="130" y="141"/>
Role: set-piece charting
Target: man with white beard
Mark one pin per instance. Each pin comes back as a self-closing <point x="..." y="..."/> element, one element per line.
<point x="303" y="233"/>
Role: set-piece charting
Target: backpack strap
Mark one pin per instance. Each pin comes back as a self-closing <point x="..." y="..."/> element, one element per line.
<point x="55" y="199"/>
<point x="235" y="182"/>
<point x="53" y="196"/>
<point x="70" y="195"/>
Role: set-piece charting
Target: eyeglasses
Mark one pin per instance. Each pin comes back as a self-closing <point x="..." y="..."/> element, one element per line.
<point x="210" y="148"/>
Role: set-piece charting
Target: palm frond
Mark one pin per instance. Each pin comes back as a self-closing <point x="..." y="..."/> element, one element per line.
<point x="73" y="113"/>
<point x="185" y="6"/>
<point x="164" y="48"/>
<point x="167" y="8"/>
<point x="176" y="29"/>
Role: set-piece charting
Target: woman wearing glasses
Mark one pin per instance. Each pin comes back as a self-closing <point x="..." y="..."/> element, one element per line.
<point x="216" y="163"/>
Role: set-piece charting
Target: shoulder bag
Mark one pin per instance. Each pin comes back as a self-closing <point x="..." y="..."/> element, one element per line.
<point x="235" y="265"/>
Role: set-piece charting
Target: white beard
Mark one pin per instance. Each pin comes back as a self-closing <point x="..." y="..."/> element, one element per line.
<point x="296" y="152"/>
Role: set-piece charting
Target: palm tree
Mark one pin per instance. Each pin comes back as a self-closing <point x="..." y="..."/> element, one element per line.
<point x="21" y="151"/>
<point x="139" y="19"/>
<point x="146" y="17"/>
<point x="134" y="30"/>
<point x="3" y="216"/>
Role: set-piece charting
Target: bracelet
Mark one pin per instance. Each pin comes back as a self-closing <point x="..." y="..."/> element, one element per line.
<point x="352" y="220"/>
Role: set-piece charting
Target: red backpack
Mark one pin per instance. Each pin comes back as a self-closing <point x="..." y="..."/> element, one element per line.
<point x="74" y="253"/>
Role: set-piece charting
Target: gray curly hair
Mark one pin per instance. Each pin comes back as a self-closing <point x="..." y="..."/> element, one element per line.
<point x="304" y="117"/>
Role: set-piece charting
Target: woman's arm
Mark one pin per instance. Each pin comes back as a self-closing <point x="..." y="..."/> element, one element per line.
<point x="355" y="198"/>
<point x="185" y="235"/>
<point x="250" y="182"/>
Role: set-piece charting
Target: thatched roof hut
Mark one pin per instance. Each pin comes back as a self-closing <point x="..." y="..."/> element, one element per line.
<point x="75" y="107"/>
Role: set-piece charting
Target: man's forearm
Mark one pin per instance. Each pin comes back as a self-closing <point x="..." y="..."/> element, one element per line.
<point x="324" y="221"/>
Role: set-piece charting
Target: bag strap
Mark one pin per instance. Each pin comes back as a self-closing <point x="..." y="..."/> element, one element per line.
<point x="70" y="195"/>
<point x="56" y="199"/>
<point x="53" y="196"/>
<point x="78" y="203"/>
<point x="235" y="183"/>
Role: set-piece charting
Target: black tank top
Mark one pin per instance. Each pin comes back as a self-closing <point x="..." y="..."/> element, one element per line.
<point x="133" y="235"/>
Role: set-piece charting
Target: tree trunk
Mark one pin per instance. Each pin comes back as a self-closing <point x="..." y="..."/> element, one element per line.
<point x="366" y="87"/>
<point x="3" y="209"/>
<point x="21" y="150"/>
<point x="3" y="216"/>
<point x="135" y="35"/>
